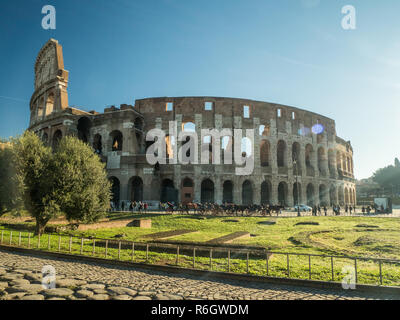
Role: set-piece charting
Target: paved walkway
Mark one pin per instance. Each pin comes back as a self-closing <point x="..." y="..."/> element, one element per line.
<point x="20" y="278"/>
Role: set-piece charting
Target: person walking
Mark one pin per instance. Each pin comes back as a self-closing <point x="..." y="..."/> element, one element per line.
<point x="326" y="211"/>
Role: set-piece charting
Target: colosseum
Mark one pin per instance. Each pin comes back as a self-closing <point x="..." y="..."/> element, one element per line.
<point x="298" y="158"/>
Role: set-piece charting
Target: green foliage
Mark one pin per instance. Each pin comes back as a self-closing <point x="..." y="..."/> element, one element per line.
<point x="33" y="169"/>
<point x="9" y="191"/>
<point x="83" y="190"/>
<point x="71" y="180"/>
<point x="388" y="177"/>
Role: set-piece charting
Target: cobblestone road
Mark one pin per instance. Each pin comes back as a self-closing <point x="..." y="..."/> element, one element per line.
<point x="20" y="278"/>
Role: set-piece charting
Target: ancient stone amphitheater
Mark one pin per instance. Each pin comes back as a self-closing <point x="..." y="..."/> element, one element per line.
<point x="298" y="158"/>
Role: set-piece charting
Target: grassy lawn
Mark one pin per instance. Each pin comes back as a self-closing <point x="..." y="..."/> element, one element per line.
<point x="350" y="236"/>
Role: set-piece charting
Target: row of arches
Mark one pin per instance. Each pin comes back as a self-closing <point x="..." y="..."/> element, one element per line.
<point x="325" y="161"/>
<point x="167" y="191"/>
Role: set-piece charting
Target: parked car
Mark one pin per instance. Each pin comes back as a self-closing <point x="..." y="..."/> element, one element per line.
<point x="303" y="208"/>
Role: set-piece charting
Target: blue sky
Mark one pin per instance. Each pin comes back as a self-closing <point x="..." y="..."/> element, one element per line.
<point x="293" y="52"/>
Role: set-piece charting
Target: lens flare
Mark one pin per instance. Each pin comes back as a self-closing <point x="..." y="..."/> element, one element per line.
<point x="318" y="128"/>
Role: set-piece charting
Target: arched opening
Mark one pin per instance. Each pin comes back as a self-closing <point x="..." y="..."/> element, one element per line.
<point x="297" y="193"/>
<point x="97" y="144"/>
<point x="310" y="195"/>
<point x="309" y="152"/>
<point x="282" y="193"/>
<point x="348" y="165"/>
<point x="136" y="189"/>
<point x="45" y="138"/>
<point x="207" y="191"/>
<point x="187" y="193"/>
<point x="281" y="153"/>
<point x="323" y="195"/>
<point x="247" y="193"/>
<point x="116" y="140"/>
<point x="56" y="138"/>
<point x="50" y="104"/>
<point x="168" y="191"/>
<point x="333" y="195"/>
<point x="115" y="190"/>
<point x="84" y="125"/>
<point x="266" y="193"/>
<point x="264" y="153"/>
<point x="339" y="163"/>
<point x="227" y="196"/>
<point x="40" y="108"/>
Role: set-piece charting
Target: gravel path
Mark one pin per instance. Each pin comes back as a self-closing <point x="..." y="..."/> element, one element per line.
<point x="20" y="278"/>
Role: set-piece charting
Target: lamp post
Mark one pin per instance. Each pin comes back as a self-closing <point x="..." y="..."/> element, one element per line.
<point x="297" y="188"/>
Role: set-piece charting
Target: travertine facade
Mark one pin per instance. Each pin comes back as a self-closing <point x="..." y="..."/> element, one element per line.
<point x="324" y="168"/>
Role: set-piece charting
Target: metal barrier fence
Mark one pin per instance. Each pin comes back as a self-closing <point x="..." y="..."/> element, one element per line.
<point x="259" y="261"/>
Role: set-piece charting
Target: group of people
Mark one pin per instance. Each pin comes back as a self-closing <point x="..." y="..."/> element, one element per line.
<point x="229" y="209"/>
<point x="130" y="206"/>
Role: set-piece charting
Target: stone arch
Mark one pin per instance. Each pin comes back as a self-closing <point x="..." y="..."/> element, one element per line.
<point x="187" y="193"/>
<point x="339" y="163"/>
<point x="40" y="108"/>
<point x="50" y="103"/>
<point x="310" y="195"/>
<point x="266" y="192"/>
<point x="84" y="125"/>
<point x="116" y="140"/>
<point x="264" y="153"/>
<point x="45" y="138"/>
<point x="247" y="193"/>
<point x="323" y="195"/>
<point x="227" y="193"/>
<point x="333" y="195"/>
<point x="282" y="193"/>
<point x="281" y="153"/>
<point x="309" y="154"/>
<point x="97" y="143"/>
<point x="207" y="191"/>
<point x="136" y="188"/>
<point x="57" y="136"/>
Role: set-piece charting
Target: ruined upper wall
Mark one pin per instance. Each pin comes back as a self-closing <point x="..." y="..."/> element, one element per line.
<point x="230" y="108"/>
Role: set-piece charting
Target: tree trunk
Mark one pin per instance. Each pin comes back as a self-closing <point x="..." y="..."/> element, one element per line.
<point x="40" y="226"/>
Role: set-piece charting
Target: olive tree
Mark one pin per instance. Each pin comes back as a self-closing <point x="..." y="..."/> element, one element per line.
<point x="70" y="180"/>
<point x="9" y="187"/>
<point x="81" y="184"/>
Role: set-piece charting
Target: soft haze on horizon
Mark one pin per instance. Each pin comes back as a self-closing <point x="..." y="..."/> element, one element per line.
<point x="292" y="52"/>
